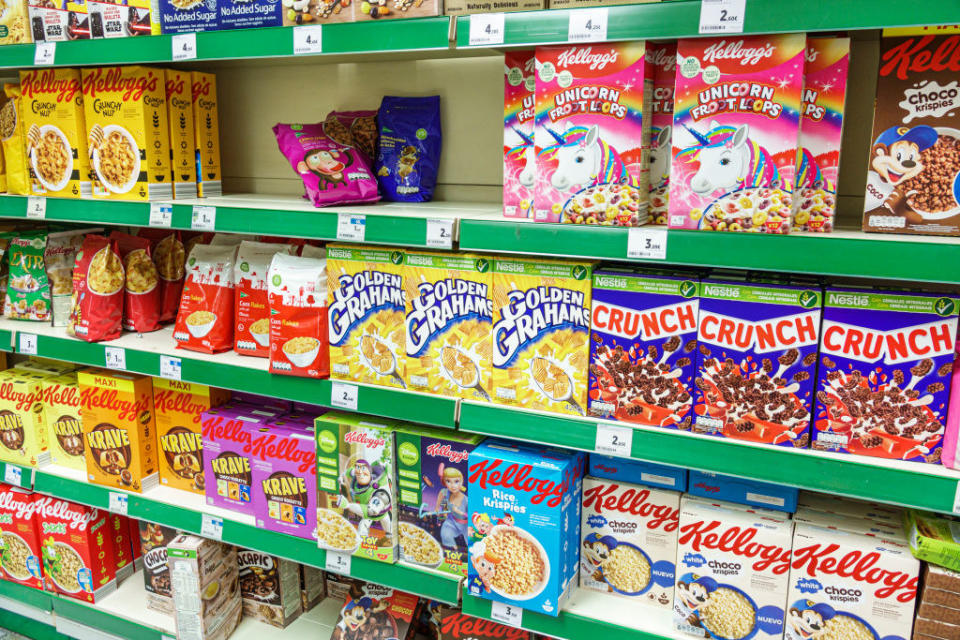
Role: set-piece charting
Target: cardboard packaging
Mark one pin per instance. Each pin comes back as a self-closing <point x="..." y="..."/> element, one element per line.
<point x="20" y="530"/>
<point x="61" y="410"/>
<point x="367" y="10"/>
<point x="23" y="430"/>
<point x="519" y="111"/>
<point x="740" y="490"/>
<point x="183" y="144"/>
<point x="15" y="24"/>
<point x="177" y="17"/>
<point x="465" y="7"/>
<point x="228" y="436"/>
<point x="206" y="128"/>
<point x="154" y="539"/>
<point x="269" y="587"/>
<point x="284" y="479"/>
<point x="206" y="593"/>
<point x="58" y="22"/>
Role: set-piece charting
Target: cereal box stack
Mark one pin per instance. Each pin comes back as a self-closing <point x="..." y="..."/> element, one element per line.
<point x="183" y="145"/>
<point x="23" y="429"/>
<point x="375" y="611"/>
<point x="663" y="58"/>
<point x="154" y="539"/>
<point x="519" y="158"/>
<point x="638" y="471"/>
<point x="20" y="531"/>
<point x="284" y="483"/>
<point x="206" y="126"/>
<point x="61" y="408"/>
<point x="228" y="435"/>
<point x="269" y="587"/>
<point x="118" y="527"/>
<point x="938" y="616"/>
<point x="59" y="21"/>
<point x="79" y="559"/>
<point x="715" y="486"/>
<point x="206" y="595"/>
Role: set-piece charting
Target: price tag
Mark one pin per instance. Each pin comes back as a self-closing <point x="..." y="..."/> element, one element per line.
<point x="486" y="29"/>
<point x="614" y="441"/>
<point x="722" y="16"/>
<point x="344" y="395"/>
<point x="307" y="39"/>
<point x="440" y="233"/>
<point x="508" y="614"/>
<point x="587" y="25"/>
<point x="116" y="357"/>
<point x="36" y="208"/>
<point x="45" y="53"/>
<point x="647" y="243"/>
<point x="204" y="218"/>
<point x="211" y="526"/>
<point x="338" y="562"/>
<point x="28" y="343"/>
<point x="118" y="503"/>
<point x="170" y="367"/>
<point x="351" y="227"/>
<point x="12" y="474"/>
<point x="184" y="46"/>
<point x="161" y="215"/>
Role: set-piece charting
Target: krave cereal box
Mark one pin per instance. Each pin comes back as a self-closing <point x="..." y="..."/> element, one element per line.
<point x="61" y="409"/>
<point x="77" y="550"/>
<point x="662" y="56"/>
<point x="284" y="483"/>
<point x="889" y="345"/>
<point x="736" y="123"/>
<point x="228" y="434"/>
<point x="20" y="537"/>
<point x="23" y="430"/>
<point x="519" y="157"/>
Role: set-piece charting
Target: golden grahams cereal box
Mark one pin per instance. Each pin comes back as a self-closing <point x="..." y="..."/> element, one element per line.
<point x="61" y="408"/>
<point x="23" y="434"/>
<point x="449" y="312"/>
<point x="541" y="324"/>
<point x="206" y="127"/>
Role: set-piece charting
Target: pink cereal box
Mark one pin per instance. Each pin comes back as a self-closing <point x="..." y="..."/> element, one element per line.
<point x="228" y="436"/>
<point x="663" y="58"/>
<point x="818" y="160"/>
<point x="519" y="161"/>
<point x="736" y="122"/>
<point x="284" y="479"/>
<point x="592" y="134"/>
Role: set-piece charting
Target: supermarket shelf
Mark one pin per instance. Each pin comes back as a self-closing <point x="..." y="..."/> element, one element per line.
<point x="28" y="612"/>
<point x="911" y="484"/>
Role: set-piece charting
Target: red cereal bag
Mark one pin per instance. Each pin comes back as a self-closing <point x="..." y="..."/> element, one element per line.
<point x="252" y="333"/>
<point x="298" y="316"/>
<point x="205" y="319"/>
<point x="142" y="295"/>
<point x="169" y="256"/>
<point x="97" y="306"/>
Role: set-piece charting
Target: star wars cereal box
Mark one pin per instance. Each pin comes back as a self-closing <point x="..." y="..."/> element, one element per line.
<point x="821" y="127"/>
<point x="846" y="585"/>
<point x="541" y="325"/>
<point x="592" y="134"/>
<point x="179" y="408"/>
<point x="375" y="612"/>
<point x="269" y="587"/>
<point x="519" y="110"/>
<point x="77" y="550"/>
<point x="61" y="21"/>
<point x="756" y="361"/>
<point x="23" y="429"/>
<point x="284" y="480"/>
<point x="366" y="309"/>
<point x="206" y="591"/>
<point x="228" y="436"/>
<point x="14" y="23"/>
<point x="642" y="352"/>
<point x="61" y="410"/>
<point x="736" y="123"/>
<point x="108" y="19"/>
<point x="732" y="569"/>
<point x="662" y="56"/>
<point x="116" y="410"/>
<point x="183" y="145"/>
<point x="893" y="345"/>
<point x="448" y="318"/>
<point x="19" y="536"/>
<point x="153" y="540"/>
<point x="629" y="542"/>
<point x="206" y="127"/>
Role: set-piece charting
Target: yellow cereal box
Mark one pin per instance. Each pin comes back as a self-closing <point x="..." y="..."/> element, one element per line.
<point x="127" y="130"/>
<point x="365" y="299"/>
<point x="52" y="111"/>
<point x="14" y="27"/>
<point x="541" y="326"/>
<point x="23" y="436"/>
<point x="206" y="127"/>
<point x="116" y="411"/>
<point x="61" y="409"/>
<point x="448" y="315"/>
<point x="183" y="145"/>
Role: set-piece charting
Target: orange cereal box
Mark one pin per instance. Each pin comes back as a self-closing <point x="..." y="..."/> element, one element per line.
<point x="206" y="128"/>
<point x="116" y="410"/>
<point x="183" y="145"/>
<point x="23" y="434"/>
<point x="61" y="408"/>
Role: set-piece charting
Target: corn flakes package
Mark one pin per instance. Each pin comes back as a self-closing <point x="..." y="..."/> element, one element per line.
<point x="169" y="256"/>
<point x="98" y="277"/>
<point x="252" y="309"/>
<point x="297" y="292"/>
<point x="12" y="137"/>
<point x="28" y="290"/>
<point x="205" y="319"/>
<point x="141" y="297"/>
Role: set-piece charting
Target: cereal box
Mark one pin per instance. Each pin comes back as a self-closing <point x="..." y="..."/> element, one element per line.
<point x="116" y="410"/>
<point x="228" y="435"/>
<point x="366" y="306"/>
<point x="662" y="56"/>
<point x="20" y="541"/>
<point x="541" y="325"/>
<point x="179" y="408"/>
<point x="464" y="7"/>
<point x="321" y="11"/>
<point x="244" y="14"/>
<point x="108" y="18"/>
<point x="638" y="472"/>
<point x="23" y="429"/>
<point x="757" y="361"/>
<point x="736" y="123"/>
<point x="855" y="524"/>
<point x="119" y="529"/>
<point x="731" y="572"/>
<point x="53" y="119"/>
<point x="821" y="127"/>
<point x="375" y="612"/>
<point x="205" y="578"/>
<point x="846" y="585"/>
<point x="448" y="622"/>
<point x="269" y="587"/>
<point x="519" y="110"/>
<point x="284" y="480"/>
<point x="58" y="22"/>
<point x="899" y="345"/>
<point x="77" y="550"/>
<point x="14" y="23"/>
<point x="642" y="355"/>
<point x="592" y="134"/>
<point x="313" y="587"/>
<point x="144" y="18"/>
<point x="154" y="539"/>
<point x="61" y="410"/>
<point x="183" y="145"/>
<point x="850" y="507"/>
<point x="743" y="491"/>
<point x="368" y="10"/>
<point x="177" y="16"/>
<point x="629" y="541"/>
<point x="448" y="323"/>
<point x="206" y="128"/>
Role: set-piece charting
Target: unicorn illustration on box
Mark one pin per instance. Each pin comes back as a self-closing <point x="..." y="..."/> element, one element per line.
<point x="660" y="156"/>
<point x="815" y="199"/>
<point x="528" y="175"/>
<point x="729" y="160"/>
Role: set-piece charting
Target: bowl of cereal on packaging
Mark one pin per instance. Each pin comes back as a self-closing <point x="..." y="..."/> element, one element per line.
<point x="105" y="274"/>
<point x="51" y="157"/>
<point x="728" y="613"/>
<point x="16" y="556"/>
<point x="627" y="569"/>
<point x="336" y="532"/>
<point x="417" y="546"/>
<point x="301" y="351"/>
<point x="935" y="193"/>
<point x="260" y="330"/>
<point x="199" y="323"/>
<point x="524" y="568"/>
<point x="116" y="159"/>
<point x="65" y="566"/>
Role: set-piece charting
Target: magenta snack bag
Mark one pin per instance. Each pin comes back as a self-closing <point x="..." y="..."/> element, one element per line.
<point x="332" y="172"/>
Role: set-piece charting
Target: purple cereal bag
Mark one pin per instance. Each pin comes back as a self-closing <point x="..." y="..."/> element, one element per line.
<point x="332" y="172"/>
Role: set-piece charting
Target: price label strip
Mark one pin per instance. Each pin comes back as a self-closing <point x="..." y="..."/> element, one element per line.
<point x="588" y="25"/>
<point x="12" y="474"/>
<point x="647" y="244"/>
<point x="351" y="227"/>
<point x="440" y="233"/>
<point x="36" y="208"/>
<point x="171" y="368"/>
<point x="161" y="214"/>
<point x="45" y="54"/>
<point x="184" y="46"/>
<point x="338" y="562"/>
<point x="118" y="503"/>
<point x="486" y="29"/>
<point x="613" y="440"/>
<point x="509" y="614"/>
<point x="28" y="343"/>
<point x="116" y="358"/>
<point x="204" y="218"/>
<point x="344" y="395"/>
<point x="211" y="526"/>
<point x="722" y="16"/>
<point x="307" y="39"/>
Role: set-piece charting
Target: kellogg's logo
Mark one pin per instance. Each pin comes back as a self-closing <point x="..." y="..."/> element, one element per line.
<point x="440" y="304"/>
<point x="366" y="439"/>
<point x="21" y="505"/>
<point x="528" y="314"/>
<point x="358" y="295"/>
<point x="109" y="399"/>
<point x="585" y="56"/>
<point x="69" y="515"/>
<point x="460" y="625"/>
<point x="724" y="50"/>
<point x="438" y="450"/>
<point x="169" y="401"/>
<point x="612" y="497"/>
<point x="658" y="56"/>
<point x="736" y="540"/>
<point x="915" y="55"/>
<point x="517" y="477"/>
<point x="111" y="80"/>
<point x="860" y="566"/>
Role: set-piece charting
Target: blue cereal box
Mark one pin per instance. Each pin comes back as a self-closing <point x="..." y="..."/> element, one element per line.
<point x="756" y="361"/>
<point x="248" y="14"/>
<point x="642" y="360"/>
<point x="185" y="17"/>
<point x="750" y="492"/>
<point x="639" y="472"/>
<point x="894" y="345"/>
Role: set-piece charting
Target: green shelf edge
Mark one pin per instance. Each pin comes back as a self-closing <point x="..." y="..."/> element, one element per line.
<point x="27" y="595"/>
<point x="30" y="628"/>
<point x="102" y="621"/>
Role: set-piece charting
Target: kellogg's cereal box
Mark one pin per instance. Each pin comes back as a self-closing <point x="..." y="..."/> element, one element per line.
<point x="77" y="549"/>
<point x="642" y="355"/>
<point x="183" y="145"/>
<point x="20" y="541"/>
<point x="662" y="56"/>
<point x="593" y="134"/>
<point x="61" y="410"/>
<point x="638" y="471"/>
<point x="736" y="123"/>
<point x="896" y="344"/>
<point x="119" y="528"/>
<point x="23" y="429"/>
<point x="228" y="435"/>
<point x="366" y="307"/>
<point x="541" y="325"/>
<point x="519" y="110"/>
<point x="448" y="323"/>
<point x="153" y="540"/>
<point x="117" y="414"/>
<point x="284" y="480"/>
<point x="757" y="361"/>
<point x="448" y="622"/>
<point x="206" y="128"/>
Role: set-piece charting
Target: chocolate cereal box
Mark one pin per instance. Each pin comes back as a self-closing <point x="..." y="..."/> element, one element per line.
<point x="228" y="435"/>
<point x="61" y="409"/>
<point x="183" y="145"/>
<point x="206" y="129"/>
<point x="269" y="587"/>
<point x="541" y="325"/>
<point x="23" y="431"/>
<point x="284" y="479"/>
<point x="662" y="56"/>
<point x="153" y="541"/>
<point x="20" y="536"/>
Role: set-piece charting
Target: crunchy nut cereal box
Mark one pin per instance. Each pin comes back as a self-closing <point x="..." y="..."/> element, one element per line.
<point x="541" y="325"/>
<point x="61" y="409"/>
<point x="20" y="536"/>
<point x="366" y="305"/>
<point x="116" y="410"/>
<point x="519" y="158"/>
<point x="77" y="550"/>
<point x="154" y="539"/>
<point x="206" y="129"/>
<point x="448" y="323"/>
<point x="183" y="144"/>
<point x="23" y="431"/>
<point x="662" y="57"/>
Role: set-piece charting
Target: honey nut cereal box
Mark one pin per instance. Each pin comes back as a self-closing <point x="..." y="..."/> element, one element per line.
<point x="732" y="572"/>
<point x="179" y="408"/>
<point x="846" y="585"/>
<point x="662" y="56"/>
<point x="61" y="409"/>
<point x="77" y="550"/>
<point x="14" y="23"/>
<point x="20" y="536"/>
<point x="228" y="436"/>
<point x="736" y="123"/>
<point x="23" y="429"/>
<point x="183" y="144"/>
<point x="366" y="310"/>
<point x="629" y="542"/>
<point x="519" y="111"/>
<point x="283" y="470"/>
<point x="116" y="410"/>
<point x="448" y="319"/>
<point x="56" y="136"/>
<point x="592" y="135"/>
<point x="541" y="326"/>
<point x="206" y="128"/>
<point x="894" y="345"/>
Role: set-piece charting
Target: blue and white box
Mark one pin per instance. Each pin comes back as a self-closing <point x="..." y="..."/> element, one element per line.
<point x="250" y="14"/>
<point x="750" y="492"/>
<point x="639" y="472"/>
<point x="201" y="15"/>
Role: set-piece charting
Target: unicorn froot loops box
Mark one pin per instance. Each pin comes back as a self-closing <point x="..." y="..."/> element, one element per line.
<point x="663" y="58"/>
<point x="519" y="159"/>
<point x="736" y="123"/>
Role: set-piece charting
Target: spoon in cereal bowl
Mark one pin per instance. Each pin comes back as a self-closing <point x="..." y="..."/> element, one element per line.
<point x="461" y="370"/>
<point x="553" y="382"/>
<point x="376" y="355"/>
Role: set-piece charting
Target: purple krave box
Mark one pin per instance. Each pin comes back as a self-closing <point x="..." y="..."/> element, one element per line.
<point x="228" y="435"/>
<point x="283" y="462"/>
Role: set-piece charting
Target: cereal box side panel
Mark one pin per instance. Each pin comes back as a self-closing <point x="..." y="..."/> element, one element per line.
<point x="78" y="558"/>
<point x="14" y="24"/>
<point x="519" y="156"/>
<point x="64" y="429"/>
<point x="183" y="145"/>
<point x="19" y="528"/>
<point x="110" y="436"/>
<point x="207" y="130"/>
<point x="367" y="489"/>
<point x="146" y="428"/>
<point x="663" y="58"/>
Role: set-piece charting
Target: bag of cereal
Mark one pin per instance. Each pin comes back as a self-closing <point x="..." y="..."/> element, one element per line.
<point x="298" y="316"/>
<point x="205" y="319"/>
<point x="142" y="294"/>
<point x="97" y="309"/>
<point x="409" y="155"/>
<point x="169" y="256"/>
<point x="59" y="258"/>
<point x="28" y="290"/>
<point x="252" y="333"/>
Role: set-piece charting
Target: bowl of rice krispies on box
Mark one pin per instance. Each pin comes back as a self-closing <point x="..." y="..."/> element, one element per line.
<point x="643" y="347"/>
<point x="662" y="56"/>
<point x="61" y="410"/>
<point x="756" y="361"/>
<point x="541" y="327"/>
<point x="269" y="587"/>
<point x="227" y="438"/>
<point x="153" y="541"/>
<point x="284" y="483"/>
<point x="375" y="612"/>
<point x="366" y="307"/>
<point x="846" y="585"/>
<point x="20" y="551"/>
<point x="449" y="312"/>
<point x="732" y="568"/>
<point x="23" y="430"/>
<point x="894" y="345"/>
<point x="206" y="127"/>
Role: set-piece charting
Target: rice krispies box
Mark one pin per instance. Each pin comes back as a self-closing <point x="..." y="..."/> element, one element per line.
<point x="23" y="430"/>
<point x="77" y="549"/>
<point x="519" y="158"/>
<point x="284" y="483"/>
<point x="20" y="542"/>
<point x="228" y="436"/>
<point x="756" y="362"/>
<point x="662" y="56"/>
<point x="642" y="352"/>
<point x="736" y="123"/>
<point x="61" y="410"/>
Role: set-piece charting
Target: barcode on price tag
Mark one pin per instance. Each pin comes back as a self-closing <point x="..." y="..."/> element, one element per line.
<point x="184" y="46"/>
<point x="170" y="367"/>
<point x="486" y="29"/>
<point x="116" y="357"/>
<point x="351" y="227"/>
<point x="613" y="440"/>
<point x="509" y="614"/>
<point x="647" y="244"/>
<point x="344" y="395"/>
<point x="204" y="218"/>
<point x="440" y="233"/>
<point x="587" y="25"/>
<point x="211" y="526"/>
<point x="12" y="474"/>
<point x="722" y="16"/>
<point x="28" y="343"/>
<point x="307" y="39"/>
<point x="36" y="207"/>
<point x="338" y="562"/>
<point x="118" y="503"/>
<point x="45" y="53"/>
<point x="161" y="215"/>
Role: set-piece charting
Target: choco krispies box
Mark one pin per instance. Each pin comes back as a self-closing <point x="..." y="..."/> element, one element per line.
<point x="284" y="474"/>
<point x="892" y="346"/>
